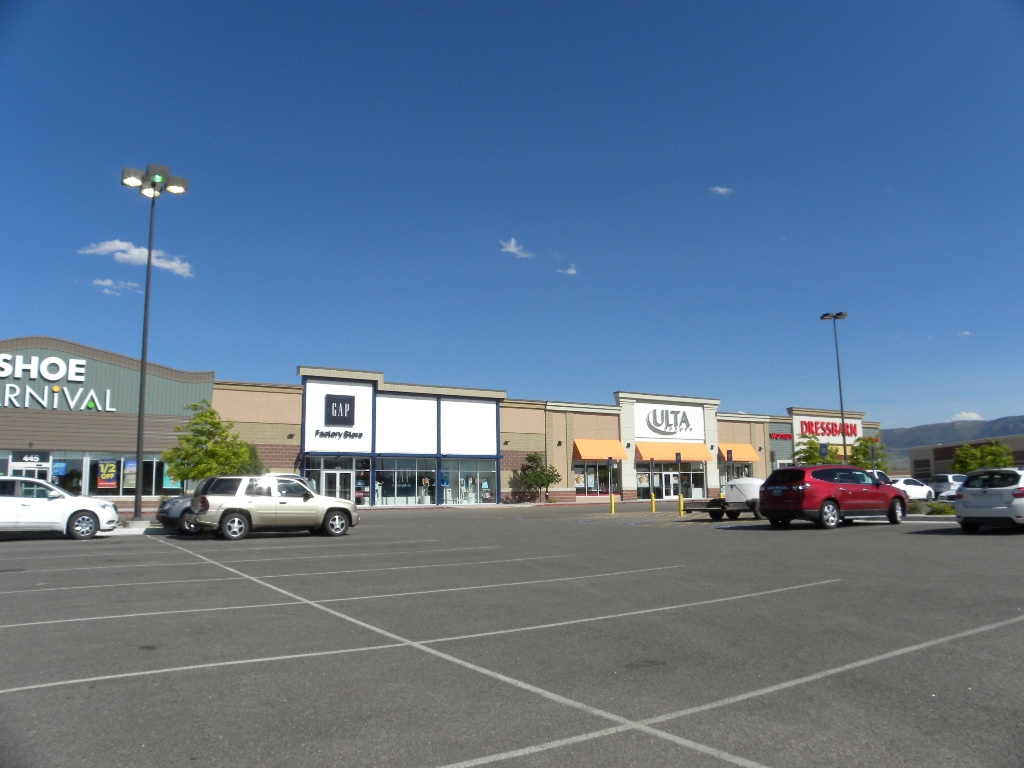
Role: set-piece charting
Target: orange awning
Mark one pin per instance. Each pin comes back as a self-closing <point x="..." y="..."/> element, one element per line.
<point x="647" y="451"/>
<point x="583" y="450"/>
<point x="740" y="452"/>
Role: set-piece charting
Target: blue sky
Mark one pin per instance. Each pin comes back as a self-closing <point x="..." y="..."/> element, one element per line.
<point x="558" y="199"/>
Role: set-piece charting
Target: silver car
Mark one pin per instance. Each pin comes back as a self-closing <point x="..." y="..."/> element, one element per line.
<point x="170" y="514"/>
<point x="990" y="497"/>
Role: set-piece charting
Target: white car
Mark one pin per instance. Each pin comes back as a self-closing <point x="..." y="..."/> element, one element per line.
<point x="28" y="504"/>
<point x="913" y="488"/>
<point x="990" y="497"/>
<point x="945" y="485"/>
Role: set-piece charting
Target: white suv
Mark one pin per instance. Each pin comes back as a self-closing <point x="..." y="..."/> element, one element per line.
<point x="27" y="504"/>
<point x="234" y="504"/>
<point x="990" y="497"/>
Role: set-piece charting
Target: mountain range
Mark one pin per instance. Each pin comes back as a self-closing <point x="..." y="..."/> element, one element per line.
<point x="897" y="441"/>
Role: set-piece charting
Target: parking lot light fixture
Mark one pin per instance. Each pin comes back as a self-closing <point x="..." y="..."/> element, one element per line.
<point x="150" y="184"/>
<point x="833" y="316"/>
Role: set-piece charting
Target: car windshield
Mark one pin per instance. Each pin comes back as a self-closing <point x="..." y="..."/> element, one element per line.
<point x="995" y="479"/>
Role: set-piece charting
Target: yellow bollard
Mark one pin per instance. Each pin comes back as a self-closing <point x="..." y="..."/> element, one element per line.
<point x="613" y="501"/>
<point x="653" y="510"/>
<point x="681" y="510"/>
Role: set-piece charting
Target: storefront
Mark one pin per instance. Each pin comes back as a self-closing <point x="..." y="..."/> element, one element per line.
<point x="382" y="444"/>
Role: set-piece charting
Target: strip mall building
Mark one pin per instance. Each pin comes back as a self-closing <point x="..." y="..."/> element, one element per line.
<point x="69" y="415"/>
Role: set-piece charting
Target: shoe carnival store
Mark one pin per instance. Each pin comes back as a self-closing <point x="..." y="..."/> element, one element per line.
<point x="387" y="444"/>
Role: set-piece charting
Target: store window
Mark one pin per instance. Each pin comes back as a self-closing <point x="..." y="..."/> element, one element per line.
<point x="592" y="478"/>
<point x="670" y="480"/>
<point x="117" y="476"/>
<point x="406" y="481"/>
<point x="469" y="481"/>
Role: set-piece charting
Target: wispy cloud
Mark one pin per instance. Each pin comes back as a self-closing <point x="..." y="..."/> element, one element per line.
<point x="963" y="333"/>
<point x="115" y="287"/>
<point x="966" y="416"/>
<point x="515" y="248"/>
<point x="128" y="253"/>
<point x="570" y="271"/>
<point x="723" y="191"/>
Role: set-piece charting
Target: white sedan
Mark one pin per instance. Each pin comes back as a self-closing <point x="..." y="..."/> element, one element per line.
<point x="914" y="489"/>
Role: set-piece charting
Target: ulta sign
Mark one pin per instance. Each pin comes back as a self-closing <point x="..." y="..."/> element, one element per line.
<point x="48" y="369"/>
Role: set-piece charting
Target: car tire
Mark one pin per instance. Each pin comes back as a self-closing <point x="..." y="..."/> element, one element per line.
<point x="234" y="526"/>
<point x="897" y="509"/>
<point x="83" y="525"/>
<point x="732" y="514"/>
<point x="968" y="526"/>
<point x="189" y="528"/>
<point x="929" y="496"/>
<point x="756" y="509"/>
<point x="779" y="522"/>
<point x="335" y="524"/>
<point x="716" y="514"/>
<point x="829" y="515"/>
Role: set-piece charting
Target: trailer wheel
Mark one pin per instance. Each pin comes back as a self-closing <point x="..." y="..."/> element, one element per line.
<point x="755" y="507"/>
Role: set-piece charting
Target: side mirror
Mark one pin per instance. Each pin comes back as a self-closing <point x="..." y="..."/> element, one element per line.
<point x="307" y="496"/>
<point x="53" y="495"/>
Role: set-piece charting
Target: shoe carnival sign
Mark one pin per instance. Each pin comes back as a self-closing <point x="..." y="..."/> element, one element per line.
<point x="656" y="421"/>
<point x="31" y="382"/>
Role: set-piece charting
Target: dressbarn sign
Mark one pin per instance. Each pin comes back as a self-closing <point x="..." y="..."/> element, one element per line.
<point x="31" y="382"/>
<point x="832" y="431"/>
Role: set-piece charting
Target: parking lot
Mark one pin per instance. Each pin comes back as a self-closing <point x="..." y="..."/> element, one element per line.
<point x="535" y="636"/>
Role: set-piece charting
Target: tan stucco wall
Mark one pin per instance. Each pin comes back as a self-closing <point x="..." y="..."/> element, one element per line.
<point x="258" y="404"/>
<point x="595" y="426"/>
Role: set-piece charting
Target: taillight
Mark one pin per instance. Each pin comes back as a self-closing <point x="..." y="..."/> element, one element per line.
<point x="958" y="495"/>
<point x="1019" y="493"/>
<point x="204" y="505"/>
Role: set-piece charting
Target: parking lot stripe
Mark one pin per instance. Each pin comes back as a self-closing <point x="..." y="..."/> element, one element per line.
<point x="625" y="614"/>
<point x="336" y="599"/>
<point x="549" y="695"/>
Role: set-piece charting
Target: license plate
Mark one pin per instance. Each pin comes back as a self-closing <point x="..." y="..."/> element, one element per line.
<point x="777" y="492"/>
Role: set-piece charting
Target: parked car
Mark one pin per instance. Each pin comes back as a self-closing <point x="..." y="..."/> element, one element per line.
<point x="945" y="485"/>
<point x="171" y="512"/>
<point x="990" y="497"/>
<point x="880" y="475"/>
<point x="913" y="488"/>
<point x="828" y="495"/>
<point x="28" y="504"/>
<point x="234" y="504"/>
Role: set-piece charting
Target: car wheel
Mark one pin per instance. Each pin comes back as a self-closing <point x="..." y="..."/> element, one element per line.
<point x="779" y="522"/>
<point x="929" y="496"/>
<point x="335" y="524"/>
<point x="189" y="526"/>
<point x="83" y="525"/>
<point x="828" y="515"/>
<point x="896" y="511"/>
<point x="732" y="514"/>
<point x="234" y="526"/>
<point x="968" y="526"/>
<point x="756" y="509"/>
<point x="716" y="514"/>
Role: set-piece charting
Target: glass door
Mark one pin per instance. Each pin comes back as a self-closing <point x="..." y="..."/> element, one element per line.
<point x="337" y="483"/>
<point x="670" y="482"/>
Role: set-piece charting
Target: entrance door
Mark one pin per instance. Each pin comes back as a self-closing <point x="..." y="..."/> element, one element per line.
<point x="39" y="473"/>
<point x="670" y="482"/>
<point x="337" y="484"/>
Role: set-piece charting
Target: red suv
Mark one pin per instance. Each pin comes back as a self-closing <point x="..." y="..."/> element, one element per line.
<point x="828" y="495"/>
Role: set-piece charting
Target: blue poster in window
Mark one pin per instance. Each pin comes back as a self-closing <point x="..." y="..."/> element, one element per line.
<point x="168" y="481"/>
<point x="59" y="468"/>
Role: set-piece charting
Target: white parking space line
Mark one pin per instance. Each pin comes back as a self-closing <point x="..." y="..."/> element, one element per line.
<point x="608" y="617"/>
<point x="316" y="545"/>
<point x="276" y="576"/>
<point x="253" y="560"/>
<point x="549" y="695"/>
<point x="336" y="599"/>
<point x="549" y="745"/>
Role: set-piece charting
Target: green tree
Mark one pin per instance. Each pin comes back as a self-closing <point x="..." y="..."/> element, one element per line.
<point x="808" y="451"/>
<point x="254" y="464"/>
<point x="535" y="475"/>
<point x="991" y="454"/>
<point x="207" y="446"/>
<point x="860" y="454"/>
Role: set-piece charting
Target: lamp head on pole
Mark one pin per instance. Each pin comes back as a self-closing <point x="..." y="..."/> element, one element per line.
<point x="834" y="316"/>
<point x="154" y="181"/>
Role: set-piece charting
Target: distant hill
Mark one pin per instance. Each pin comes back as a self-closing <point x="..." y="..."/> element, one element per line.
<point x="952" y="432"/>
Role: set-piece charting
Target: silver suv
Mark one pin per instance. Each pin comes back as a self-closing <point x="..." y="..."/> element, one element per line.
<point x="232" y="505"/>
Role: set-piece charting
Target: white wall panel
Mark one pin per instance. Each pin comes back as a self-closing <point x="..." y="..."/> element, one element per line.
<point x="406" y="425"/>
<point x="469" y="427"/>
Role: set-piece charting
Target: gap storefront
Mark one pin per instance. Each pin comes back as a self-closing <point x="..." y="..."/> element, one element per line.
<point x="384" y="444"/>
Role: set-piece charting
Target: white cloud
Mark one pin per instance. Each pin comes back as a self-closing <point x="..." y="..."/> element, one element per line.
<point x="114" y="287"/>
<point x="570" y="271"/>
<point x="515" y="248"/>
<point x="966" y="416"/>
<point x="128" y="253"/>
<point x="723" y="191"/>
<point x="963" y="333"/>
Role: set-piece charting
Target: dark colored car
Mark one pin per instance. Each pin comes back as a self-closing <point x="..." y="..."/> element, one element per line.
<point x="170" y="512"/>
<point x="828" y="495"/>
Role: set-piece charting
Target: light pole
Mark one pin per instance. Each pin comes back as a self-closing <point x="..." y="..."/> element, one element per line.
<point x="833" y="316"/>
<point x="155" y="181"/>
